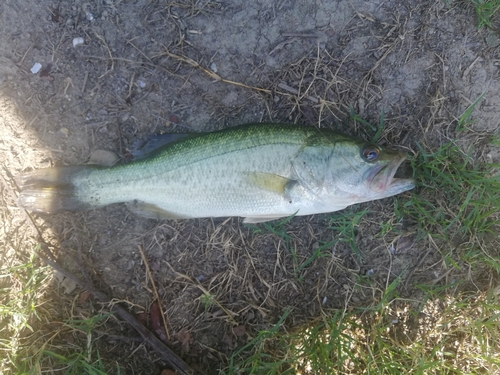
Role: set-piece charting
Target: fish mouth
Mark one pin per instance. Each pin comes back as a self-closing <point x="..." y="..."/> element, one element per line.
<point x="381" y="179"/>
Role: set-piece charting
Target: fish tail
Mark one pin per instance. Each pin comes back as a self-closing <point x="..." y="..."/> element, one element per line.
<point x="51" y="190"/>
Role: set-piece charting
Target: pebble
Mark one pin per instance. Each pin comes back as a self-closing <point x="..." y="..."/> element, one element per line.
<point x="492" y="40"/>
<point x="104" y="158"/>
<point x="77" y="41"/>
<point x="64" y="131"/>
<point x="36" y="68"/>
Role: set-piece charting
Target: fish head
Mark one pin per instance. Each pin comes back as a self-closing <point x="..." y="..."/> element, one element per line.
<point x="361" y="172"/>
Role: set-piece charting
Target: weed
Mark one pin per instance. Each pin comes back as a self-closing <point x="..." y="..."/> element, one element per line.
<point x="487" y="11"/>
<point x="345" y="224"/>
<point x="445" y="330"/>
<point x="77" y="363"/>
<point x="457" y="197"/>
<point x="279" y="229"/>
<point x="87" y="361"/>
<point x="207" y="300"/>
<point x="354" y="117"/>
<point x="465" y="120"/>
<point x="21" y="288"/>
<point x="388" y="338"/>
<point x="259" y="362"/>
<point x="320" y="252"/>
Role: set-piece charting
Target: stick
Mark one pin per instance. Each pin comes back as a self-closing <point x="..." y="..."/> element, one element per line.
<point x="173" y="360"/>
<point x="146" y="264"/>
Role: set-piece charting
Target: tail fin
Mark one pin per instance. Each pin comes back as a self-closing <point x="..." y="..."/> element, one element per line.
<point x="50" y="190"/>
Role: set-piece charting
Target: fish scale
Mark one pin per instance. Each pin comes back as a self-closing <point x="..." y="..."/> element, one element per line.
<point x="257" y="171"/>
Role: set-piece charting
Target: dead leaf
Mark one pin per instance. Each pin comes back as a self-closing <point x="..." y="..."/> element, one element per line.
<point x="45" y="72"/>
<point x="155" y="316"/>
<point x="157" y="322"/>
<point x="83" y="297"/>
<point x="168" y="372"/>
<point x="228" y="340"/>
<point x="239" y="330"/>
<point x="405" y="243"/>
<point x="184" y="338"/>
<point x="69" y="339"/>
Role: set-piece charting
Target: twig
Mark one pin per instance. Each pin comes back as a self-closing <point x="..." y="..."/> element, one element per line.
<point x="211" y="74"/>
<point x="290" y="89"/>
<point x="101" y="38"/>
<point x="177" y="364"/>
<point x="150" y="276"/>
<point x="85" y="79"/>
<point x="467" y="71"/>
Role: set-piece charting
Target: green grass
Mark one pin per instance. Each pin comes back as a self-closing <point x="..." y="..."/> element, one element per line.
<point x="453" y="336"/>
<point x="83" y="358"/>
<point x="22" y="287"/>
<point x="455" y="195"/>
<point x="449" y="329"/>
<point x="75" y="363"/>
<point x="487" y="12"/>
<point x="260" y="360"/>
<point x="21" y="312"/>
<point x="344" y="225"/>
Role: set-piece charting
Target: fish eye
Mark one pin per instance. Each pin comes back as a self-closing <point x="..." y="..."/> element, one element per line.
<point x="370" y="153"/>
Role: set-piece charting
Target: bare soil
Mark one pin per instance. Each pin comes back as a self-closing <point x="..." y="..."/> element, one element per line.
<point x="421" y="63"/>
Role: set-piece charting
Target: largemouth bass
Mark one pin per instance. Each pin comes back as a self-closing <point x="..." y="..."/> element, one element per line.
<point x="260" y="172"/>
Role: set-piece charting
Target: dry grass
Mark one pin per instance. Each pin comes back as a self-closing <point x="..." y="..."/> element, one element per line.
<point x="399" y="287"/>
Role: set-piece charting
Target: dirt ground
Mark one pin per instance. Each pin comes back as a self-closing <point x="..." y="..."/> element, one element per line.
<point x="421" y="63"/>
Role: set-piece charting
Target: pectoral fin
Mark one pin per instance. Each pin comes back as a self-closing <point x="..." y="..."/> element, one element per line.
<point x="270" y="182"/>
<point x="152" y="211"/>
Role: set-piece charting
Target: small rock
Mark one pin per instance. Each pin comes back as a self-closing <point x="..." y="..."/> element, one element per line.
<point x="103" y="158"/>
<point x="213" y="67"/>
<point x="58" y="275"/>
<point x="492" y="39"/>
<point x="68" y="285"/>
<point x="77" y="41"/>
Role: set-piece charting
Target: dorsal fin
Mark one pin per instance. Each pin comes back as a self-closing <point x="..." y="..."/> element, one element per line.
<point x="143" y="148"/>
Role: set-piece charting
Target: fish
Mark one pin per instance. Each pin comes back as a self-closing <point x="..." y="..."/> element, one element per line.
<point x="260" y="171"/>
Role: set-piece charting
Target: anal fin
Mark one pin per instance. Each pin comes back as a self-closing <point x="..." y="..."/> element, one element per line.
<point x="262" y="219"/>
<point x="152" y="211"/>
